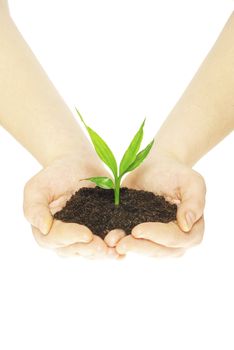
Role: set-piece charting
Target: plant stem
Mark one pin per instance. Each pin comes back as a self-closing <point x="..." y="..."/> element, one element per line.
<point x="117" y="190"/>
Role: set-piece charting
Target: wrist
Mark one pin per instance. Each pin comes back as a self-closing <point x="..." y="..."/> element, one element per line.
<point x="79" y="150"/>
<point x="159" y="152"/>
<point x="87" y="166"/>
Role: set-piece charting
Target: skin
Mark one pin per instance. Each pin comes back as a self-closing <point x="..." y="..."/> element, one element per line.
<point x="4" y="8"/>
<point x="37" y="102"/>
<point x="179" y="184"/>
<point x="204" y="114"/>
<point x="206" y="106"/>
<point x="46" y="193"/>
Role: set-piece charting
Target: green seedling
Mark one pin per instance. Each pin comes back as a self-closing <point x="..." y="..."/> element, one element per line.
<point x="130" y="161"/>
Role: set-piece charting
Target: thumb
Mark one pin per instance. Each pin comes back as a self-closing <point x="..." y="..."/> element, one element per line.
<point x="36" y="208"/>
<point x="192" y="203"/>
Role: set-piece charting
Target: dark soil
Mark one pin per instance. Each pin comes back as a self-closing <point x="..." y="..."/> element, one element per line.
<point x="95" y="208"/>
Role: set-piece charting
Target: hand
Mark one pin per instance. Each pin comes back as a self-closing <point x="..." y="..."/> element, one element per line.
<point x="179" y="184"/>
<point x="47" y="192"/>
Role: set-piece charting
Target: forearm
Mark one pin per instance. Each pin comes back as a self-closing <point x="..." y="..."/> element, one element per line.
<point x="31" y="109"/>
<point x="204" y="115"/>
<point x="4" y="8"/>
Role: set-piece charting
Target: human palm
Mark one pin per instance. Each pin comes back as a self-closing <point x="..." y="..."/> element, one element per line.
<point x="47" y="192"/>
<point x="178" y="183"/>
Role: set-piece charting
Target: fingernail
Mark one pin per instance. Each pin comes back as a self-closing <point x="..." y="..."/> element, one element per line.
<point x="190" y="218"/>
<point x="43" y="227"/>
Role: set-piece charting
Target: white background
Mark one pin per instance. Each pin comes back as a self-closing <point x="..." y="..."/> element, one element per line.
<point x="118" y="61"/>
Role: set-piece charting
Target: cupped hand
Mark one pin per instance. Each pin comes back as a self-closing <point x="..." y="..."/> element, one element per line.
<point x="47" y="192"/>
<point x="179" y="184"/>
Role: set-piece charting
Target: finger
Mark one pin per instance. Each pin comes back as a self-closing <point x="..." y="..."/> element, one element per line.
<point x="63" y="234"/>
<point x="112" y="253"/>
<point x="36" y="208"/>
<point x="113" y="237"/>
<point x="170" y="235"/>
<point x="192" y="203"/>
<point x="145" y="247"/>
<point x="58" y="204"/>
<point x="172" y="200"/>
<point x="66" y="254"/>
<point x="95" y="249"/>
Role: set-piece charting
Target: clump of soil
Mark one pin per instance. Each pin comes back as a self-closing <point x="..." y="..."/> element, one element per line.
<point x="94" y="207"/>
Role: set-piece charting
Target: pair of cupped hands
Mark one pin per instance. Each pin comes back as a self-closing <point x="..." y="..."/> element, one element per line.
<point x="47" y="192"/>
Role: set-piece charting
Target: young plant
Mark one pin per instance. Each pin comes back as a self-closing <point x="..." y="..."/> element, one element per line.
<point x="130" y="161"/>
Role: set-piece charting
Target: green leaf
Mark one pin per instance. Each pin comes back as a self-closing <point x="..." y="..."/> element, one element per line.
<point x="101" y="148"/>
<point x="140" y="157"/>
<point x="101" y="181"/>
<point x="130" y="155"/>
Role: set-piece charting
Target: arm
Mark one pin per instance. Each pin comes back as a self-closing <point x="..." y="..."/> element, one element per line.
<point x="204" y="115"/>
<point x="35" y="114"/>
<point x="31" y="109"/>
<point x="4" y="8"/>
